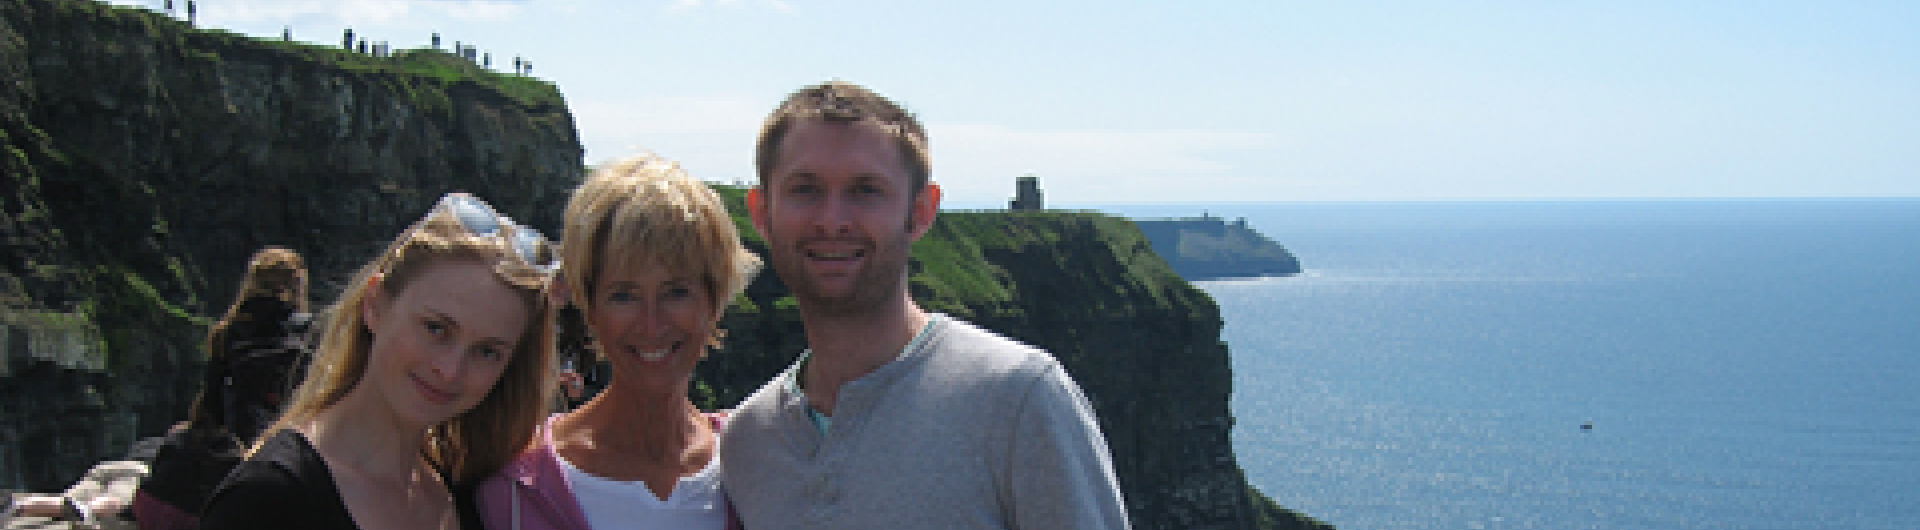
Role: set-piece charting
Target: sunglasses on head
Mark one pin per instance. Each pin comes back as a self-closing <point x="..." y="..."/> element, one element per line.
<point x="482" y="220"/>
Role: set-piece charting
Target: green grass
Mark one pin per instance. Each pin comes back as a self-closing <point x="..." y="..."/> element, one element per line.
<point x="953" y="269"/>
<point x="76" y="326"/>
<point x="423" y="74"/>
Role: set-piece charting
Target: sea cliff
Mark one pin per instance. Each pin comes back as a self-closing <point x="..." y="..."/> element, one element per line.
<point x="1211" y="248"/>
<point x="144" y="160"/>
<point x="1143" y="343"/>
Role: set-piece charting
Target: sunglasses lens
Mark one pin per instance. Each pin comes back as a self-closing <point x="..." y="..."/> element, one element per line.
<point x="527" y="244"/>
<point x="477" y="216"/>
<point x="484" y="221"/>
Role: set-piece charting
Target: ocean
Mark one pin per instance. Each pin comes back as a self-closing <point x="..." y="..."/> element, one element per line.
<point x="1669" y="365"/>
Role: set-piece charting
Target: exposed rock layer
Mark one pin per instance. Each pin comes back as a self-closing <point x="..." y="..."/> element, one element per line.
<point x="145" y="161"/>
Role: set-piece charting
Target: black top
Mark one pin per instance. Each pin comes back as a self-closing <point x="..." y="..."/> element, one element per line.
<point x="287" y="486"/>
<point x="258" y="361"/>
<point x="188" y="465"/>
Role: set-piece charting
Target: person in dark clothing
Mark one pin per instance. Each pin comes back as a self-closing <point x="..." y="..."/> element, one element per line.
<point x="252" y="353"/>
<point x="260" y="345"/>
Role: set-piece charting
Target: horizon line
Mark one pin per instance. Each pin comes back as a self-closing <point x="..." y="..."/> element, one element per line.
<point x="1863" y="198"/>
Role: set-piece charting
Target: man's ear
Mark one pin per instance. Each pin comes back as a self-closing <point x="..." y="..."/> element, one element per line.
<point x="757" y="209"/>
<point x="926" y="205"/>
<point x="374" y="303"/>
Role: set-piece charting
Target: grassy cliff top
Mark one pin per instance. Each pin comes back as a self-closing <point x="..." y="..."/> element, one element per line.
<point x="960" y="265"/>
<point x="427" y="64"/>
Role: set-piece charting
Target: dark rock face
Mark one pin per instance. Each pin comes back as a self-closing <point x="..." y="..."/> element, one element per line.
<point x="70" y="414"/>
<point x="1210" y="248"/>
<point x="1148" y="353"/>
<point x="144" y="162"/>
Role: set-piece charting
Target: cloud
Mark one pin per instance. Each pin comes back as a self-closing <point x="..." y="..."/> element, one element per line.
<point x="688" y="5"/>
<point x="670" y="114"/>
<point x="710" y="135"/>
<point x="977" y="162"/>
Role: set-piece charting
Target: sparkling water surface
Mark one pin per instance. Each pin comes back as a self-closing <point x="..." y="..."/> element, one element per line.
<point x="1742" y="363"/>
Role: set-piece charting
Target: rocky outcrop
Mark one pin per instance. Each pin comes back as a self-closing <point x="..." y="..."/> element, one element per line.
<point x="1210" y="248"/>
<point x="144" y="161"/>
<point x="1142" y="342"/>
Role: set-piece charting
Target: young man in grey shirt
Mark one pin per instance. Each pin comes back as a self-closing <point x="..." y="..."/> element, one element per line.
<point x="894" y="417"/>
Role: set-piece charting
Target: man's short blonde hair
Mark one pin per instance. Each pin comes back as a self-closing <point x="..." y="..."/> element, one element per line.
<point x="844" y="102"/>
<point x="646" y="209"/>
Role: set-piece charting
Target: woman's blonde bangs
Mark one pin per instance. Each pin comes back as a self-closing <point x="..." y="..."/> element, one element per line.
<point x="649" y="212"/>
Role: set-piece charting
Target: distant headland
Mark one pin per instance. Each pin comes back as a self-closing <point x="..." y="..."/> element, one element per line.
<point x="1212" y="248"/>
<point x="1198" y="248"/>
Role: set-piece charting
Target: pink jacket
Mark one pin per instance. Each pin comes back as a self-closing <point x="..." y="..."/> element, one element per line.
<point x="531" y="492"/>
<point x="155" y="514"/>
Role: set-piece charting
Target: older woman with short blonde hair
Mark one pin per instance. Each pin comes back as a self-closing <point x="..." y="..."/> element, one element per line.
<point x="652" y="260"/>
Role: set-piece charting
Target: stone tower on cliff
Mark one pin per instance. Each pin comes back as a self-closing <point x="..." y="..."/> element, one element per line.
<point x="1026" y="195"/>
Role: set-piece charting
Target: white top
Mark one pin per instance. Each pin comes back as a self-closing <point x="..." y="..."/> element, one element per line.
<point x="696" y="503"/>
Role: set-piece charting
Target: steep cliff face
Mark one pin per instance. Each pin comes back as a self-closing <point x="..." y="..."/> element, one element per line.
<point x="1142" y="342"/>
<point x="1210" y="248"/>
<point x="145" y="160"/>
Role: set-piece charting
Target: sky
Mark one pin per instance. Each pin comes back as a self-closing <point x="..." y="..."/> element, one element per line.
<point x="1120" y="102"/>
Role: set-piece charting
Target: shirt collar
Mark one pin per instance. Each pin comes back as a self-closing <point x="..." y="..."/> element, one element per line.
<point x="822" y="421"/>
